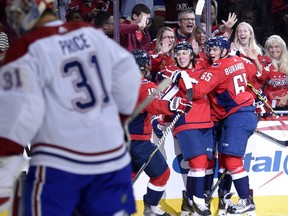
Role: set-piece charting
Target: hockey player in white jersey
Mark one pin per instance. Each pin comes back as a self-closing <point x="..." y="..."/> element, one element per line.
<point x="64" y="88"/>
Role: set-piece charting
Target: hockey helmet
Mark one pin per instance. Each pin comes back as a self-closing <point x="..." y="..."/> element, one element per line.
<point x="218" y="41"/>
<point x="22" y="15"/>
<point x="183" y="45"/>
<point x="142" y="59"/>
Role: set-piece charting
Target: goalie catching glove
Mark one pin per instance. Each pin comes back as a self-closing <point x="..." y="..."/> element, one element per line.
<point x="180" y="105"/>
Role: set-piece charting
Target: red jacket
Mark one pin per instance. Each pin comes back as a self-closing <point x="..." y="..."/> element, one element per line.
<point x="128" y="38"/>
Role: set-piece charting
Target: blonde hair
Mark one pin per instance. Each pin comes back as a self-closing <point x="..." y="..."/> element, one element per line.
<point x="194" y="32"/>
<point x="282" y="63"/>
<point x="159" y="38"/>
<point x="252" y="44"/>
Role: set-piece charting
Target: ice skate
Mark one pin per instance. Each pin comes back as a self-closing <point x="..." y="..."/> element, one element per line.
<point x="224" y="202"/>
<point x="243" y="207"/>
<point x="150" y="210"/>
<point x="200" y="208"/>
<point x="186" y="207"/>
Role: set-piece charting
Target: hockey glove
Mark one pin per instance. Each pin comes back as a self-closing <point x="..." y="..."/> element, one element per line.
<point x="158" y="125"/>
<point x="180" y="105"/>
<point x="188" y="81"/>
<point x="176" y="76"/>
<point x="10" y="169"/>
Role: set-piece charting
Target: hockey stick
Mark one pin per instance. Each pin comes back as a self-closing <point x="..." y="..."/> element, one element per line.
<point x="158" y="144"/>
<point x="198" y="15"/>
<point x="270" y="138"/>
<point x="162" y="85"/>
<point x="261" y="98"/>
<point x="216" y="185"/>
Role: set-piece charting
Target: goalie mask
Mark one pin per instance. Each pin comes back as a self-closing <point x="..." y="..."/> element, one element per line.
<point x="22" y="15"/>
<point x="143" y="60"/>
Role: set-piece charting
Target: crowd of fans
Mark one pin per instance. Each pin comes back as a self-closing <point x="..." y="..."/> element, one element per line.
<point x="157" y="26"/>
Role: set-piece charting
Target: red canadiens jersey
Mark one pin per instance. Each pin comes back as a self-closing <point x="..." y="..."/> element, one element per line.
<point x="226" y="79"/>
<point x="140" y="128"/>
<point x="199" y="116"/>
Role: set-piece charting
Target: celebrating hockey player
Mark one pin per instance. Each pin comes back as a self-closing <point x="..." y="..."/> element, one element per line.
<point x="225" y="81"/>
<point x="140" y="130"/>
<point x="61" y="89"/>
<point x="193" y="131"/>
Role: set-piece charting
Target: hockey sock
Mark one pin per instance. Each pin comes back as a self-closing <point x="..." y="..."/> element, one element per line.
<point x="152" y="197"/>
<point x="198" y="186"/>
<point x="226" y="183"/>
<point x="189" y="186"/>
<point x="242" y="187"/>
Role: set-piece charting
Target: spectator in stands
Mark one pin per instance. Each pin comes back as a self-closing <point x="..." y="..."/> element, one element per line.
<point x="186" y="24"/>
<point x="87" y="9"/>
<point x="276" y="86"/>
<point x="225" y="27"/>
<point x="198" y="42"/>
<point x="162" y="49"/>
<point x="244" y="44"/>
<point x="173" y="8"/>
<point x="62" y="6"/>
<point x="4" y="43"/>
<point x="245" y="38"/>
<point x="134" y="32"/>
<point x="126" y="9"/>
<point x="105" y="21"/>
<point x="74" y="16"/>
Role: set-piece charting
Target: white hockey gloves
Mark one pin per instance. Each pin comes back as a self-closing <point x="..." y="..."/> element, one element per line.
<point x="10" y="169"/>
<point x="180" y="105"/>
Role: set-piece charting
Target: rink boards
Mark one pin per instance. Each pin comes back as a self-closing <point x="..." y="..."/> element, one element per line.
<point x="265" y="160"/>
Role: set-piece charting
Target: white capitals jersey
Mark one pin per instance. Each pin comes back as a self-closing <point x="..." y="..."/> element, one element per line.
<point x="62" y="87"/>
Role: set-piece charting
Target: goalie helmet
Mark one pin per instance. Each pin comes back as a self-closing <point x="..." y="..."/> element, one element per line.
<point x="218" y="41"/>
<point x="183" y="45"/>
<point x="142" y="59"/>
<point x="22" y="15"/>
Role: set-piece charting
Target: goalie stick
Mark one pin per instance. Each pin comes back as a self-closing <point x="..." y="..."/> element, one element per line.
<point x="162" y="85"/>
<point x="158" y="144"/>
